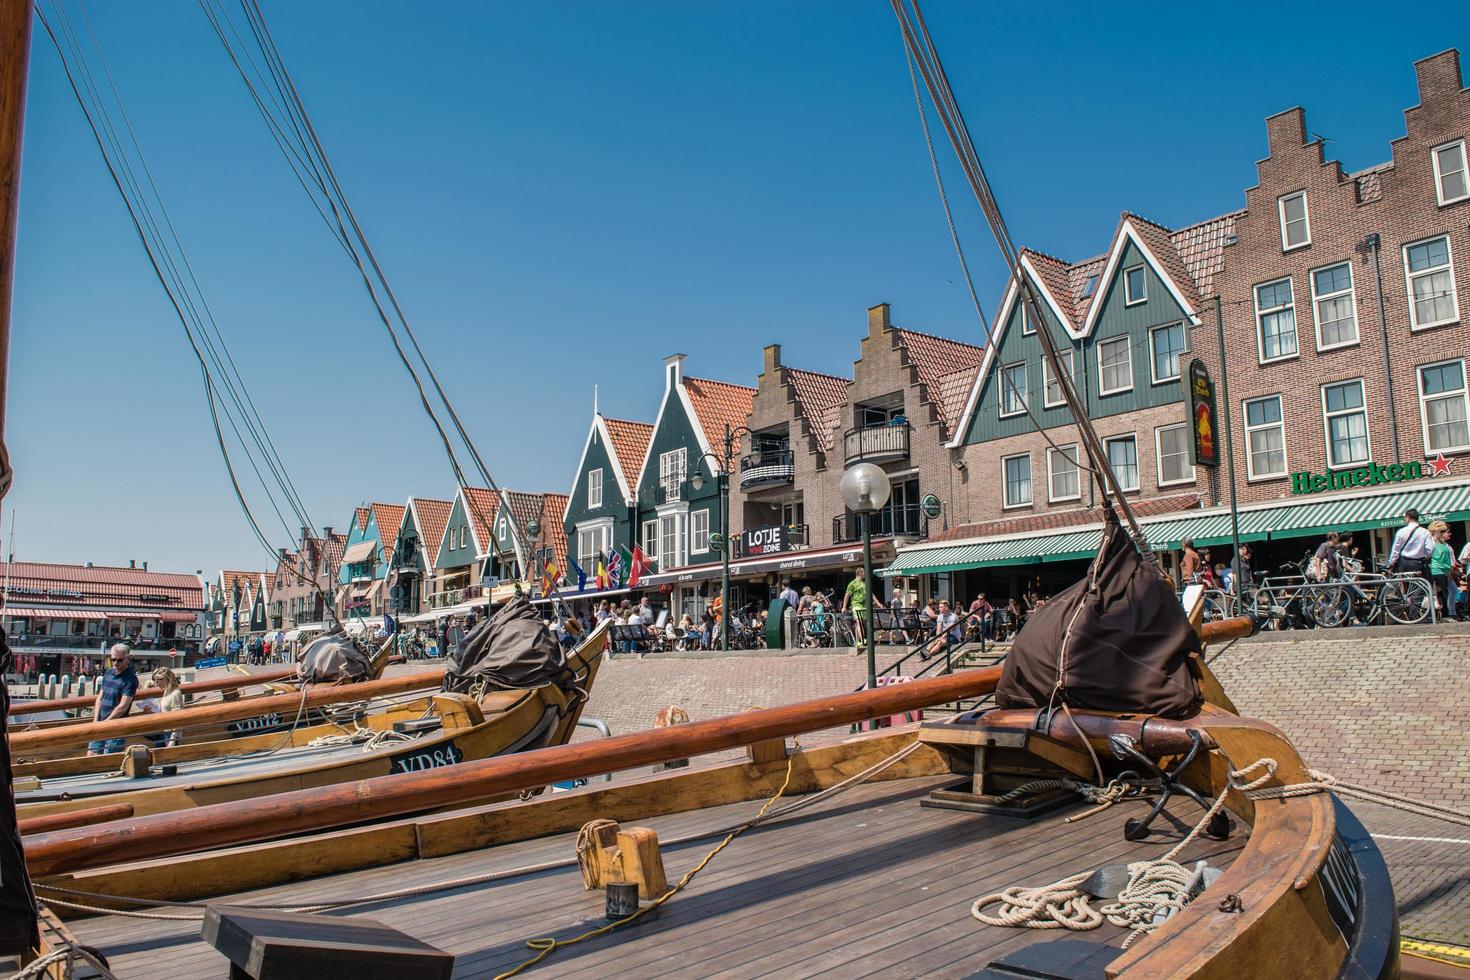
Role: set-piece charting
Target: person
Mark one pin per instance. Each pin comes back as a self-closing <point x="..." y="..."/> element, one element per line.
<point x="1441" y="564"/>
<point x="1017" y="614"/>
<point x="1191" y="564"/>
<point x="855" y="600"/>
<point x="1241" y="575"/>
<point x="634" y="618"/>
<point x="982" y="615"/>
<point x="707" y="627"/>
<point x="946" y="631"/>
<point x="115" y="696"/>
<point x="1226" y="575"/>
<point x="788" y="595"/>
<point x="172" y="699"/>
<point x="1325" y="563"/>
<point x="1412" y="546"/>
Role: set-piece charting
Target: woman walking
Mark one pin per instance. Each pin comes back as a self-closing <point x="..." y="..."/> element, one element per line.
<point x="1441" y="569"/>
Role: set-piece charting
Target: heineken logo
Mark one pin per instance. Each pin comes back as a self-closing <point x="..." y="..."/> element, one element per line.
<point x="1369" y="475"/>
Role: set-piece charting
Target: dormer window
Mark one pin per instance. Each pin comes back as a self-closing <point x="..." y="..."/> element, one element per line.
<point x="1295" y="231"/>
<point x="1135" y="289"/>
<point x="1089" y="287"/>
<point x="1451" y="182"/>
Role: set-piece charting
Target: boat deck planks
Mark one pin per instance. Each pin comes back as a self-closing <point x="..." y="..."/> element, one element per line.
<point x="869" y="883"/>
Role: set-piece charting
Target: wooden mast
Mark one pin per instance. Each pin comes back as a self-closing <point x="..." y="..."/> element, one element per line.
<point x="15" y="49"/>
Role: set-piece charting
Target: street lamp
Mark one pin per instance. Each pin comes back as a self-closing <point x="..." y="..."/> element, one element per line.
<point x="865" y="489"/>
<point x="723" y="476"/>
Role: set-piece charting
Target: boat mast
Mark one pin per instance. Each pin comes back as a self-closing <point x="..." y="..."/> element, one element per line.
<point x="15" y="49"/>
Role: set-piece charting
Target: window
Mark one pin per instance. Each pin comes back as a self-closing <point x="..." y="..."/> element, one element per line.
<point x="669" y="555"/>
<point x="1017" y="480"/>
<point x="1028" y="325"/>
<point x="1265" y="438"/>
<point x="594" y="488"/>
<point x="1135" y="289"/>
<point x="1054" y="396"/>
<point x="1444" y="407"/>
<point x="1115" y="366"/>
<point x="1123" y="458"/>
<point x="650" y="538"/>
<point x="1345" y="422"/>
<point x="1172" y="445"/>
<point x="1430" y="275"/>
<point x="1089" y="287"/>
<point x="1450" y="183"/>
<point x="1167" y="343"/>
<point x="1294" y="229"/>
<point x="591" y="542"/>
<point x="671" y="471"/>
<point x="1013" y="389"/>
<point x="698" y="531"/>
<point x="1064" y="481"/>
<point x="464" y="535"/>
<point x="1334" y="306"/>
<point x="1276" y="320"/>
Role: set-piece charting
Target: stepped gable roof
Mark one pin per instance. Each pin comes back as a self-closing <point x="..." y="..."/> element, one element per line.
<point x="483" y="504"/>
<point x="432" y="516"/>
<point x="936" y="359"/>
<point x="553" y="527"/>
<point x="952" y="391"/>
<point x="1370" y="184"/>
<point x="717" y="404"/>
<point x="335" y="547"/>
<point x="629" y="443"/>
<point x="286" y="567"/>
<point x="819" y="399"/>
<point x="1060" y="520"/>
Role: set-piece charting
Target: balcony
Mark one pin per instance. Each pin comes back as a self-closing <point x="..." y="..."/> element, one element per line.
<point x="900" y="522"/>
<point x="876" y="444"/>
<point x="670" y="491"/>
<point x="766" y="469"/>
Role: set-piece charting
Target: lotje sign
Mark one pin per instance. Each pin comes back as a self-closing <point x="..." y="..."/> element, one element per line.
<point x="1369" y="475"/>
<point x="764" y="540"/>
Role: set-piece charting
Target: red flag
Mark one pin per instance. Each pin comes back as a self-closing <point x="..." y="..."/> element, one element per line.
<point x="639" y="562"/>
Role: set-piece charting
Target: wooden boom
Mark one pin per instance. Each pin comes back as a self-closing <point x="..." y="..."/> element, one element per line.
<point x="1224" y="630"/>
<point x="193" y="687"/>
<point x="50" y="738"/>
<point x="307" y="810"/>
<point x="76" y="818"/>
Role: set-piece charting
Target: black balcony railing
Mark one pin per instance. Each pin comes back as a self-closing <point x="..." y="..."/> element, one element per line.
<point x="767" y="468"/>
<point x="669" y="491"/>
<point x="903" y="521"/>
<point x="876" y="443"/>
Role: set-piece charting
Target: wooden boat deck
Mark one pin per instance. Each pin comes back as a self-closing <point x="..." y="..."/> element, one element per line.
<point x="868" y="883"/>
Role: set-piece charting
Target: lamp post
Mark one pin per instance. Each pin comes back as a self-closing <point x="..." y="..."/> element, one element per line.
<point x="723" y="476"/>
<point x="865" y="489"/>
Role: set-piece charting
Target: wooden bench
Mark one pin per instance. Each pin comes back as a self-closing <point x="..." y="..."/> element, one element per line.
<point x="265" y="945"/>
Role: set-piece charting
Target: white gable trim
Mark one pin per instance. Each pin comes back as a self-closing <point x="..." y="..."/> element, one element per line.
<point x="1056" y="309"/>
<point x="699" y="434"/>
<point x="1128" y="233"/>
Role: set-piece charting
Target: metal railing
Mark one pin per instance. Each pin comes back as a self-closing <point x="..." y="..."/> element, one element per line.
<point x="876" y="443"/>
<point x="452" y="597"/>
<point x="26" y="642"/>
<point x="904" y="521"/>
<point x="769" y="468"/>
<point x="669" y="491"/>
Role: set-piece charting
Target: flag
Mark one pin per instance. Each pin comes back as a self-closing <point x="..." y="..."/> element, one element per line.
<point x="615" y="570"/>
<point x="581" y="574"/>
<point x="636" y="566"/>
<point x="549" y="574"/>
<point x="601" y="573"/>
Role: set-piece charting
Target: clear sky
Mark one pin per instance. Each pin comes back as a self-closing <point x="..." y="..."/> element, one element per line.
<point x="563" y="194"/>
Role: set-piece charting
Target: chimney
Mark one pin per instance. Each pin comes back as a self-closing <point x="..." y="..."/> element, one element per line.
<point x="1286" y="130"/>
<point x="132" y="563"/>
<point x="673" y="371"/>
<point x="282" y="553"/>
<point x="89" y="564"/>
<point x="877" y="319"/>
<point x="327" y="532"/>
<point x="145" y="565"/>
<point x="1439" y="76"/>
<point x="773" y="358"/>
<point x="305" y="533"/>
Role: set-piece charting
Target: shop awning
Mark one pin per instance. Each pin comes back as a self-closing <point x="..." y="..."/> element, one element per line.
<point x="178" y="616"/>
<point x="359" y="552"/>
<point x="135" y="614"/>
<point x="568" y="595"/>
<point x="40" y="612"/>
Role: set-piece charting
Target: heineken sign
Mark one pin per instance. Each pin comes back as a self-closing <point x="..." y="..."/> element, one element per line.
<point x="1369" y="475"/>
<point x="1204" y="419"/>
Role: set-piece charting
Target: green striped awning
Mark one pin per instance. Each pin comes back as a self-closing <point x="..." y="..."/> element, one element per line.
<point x="1296" y="519"/>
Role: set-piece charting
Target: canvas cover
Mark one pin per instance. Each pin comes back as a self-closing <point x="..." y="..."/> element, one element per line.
<point x="17" y="901"/>
<point x="512" y="650"/>
<point x="1116" y="641"/>
<point x="333" y="658"/>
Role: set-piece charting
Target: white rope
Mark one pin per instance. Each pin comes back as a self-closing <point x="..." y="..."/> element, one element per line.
<point x="370" y="739"/>
<point x="68" y="953"/>
<point x="1326" y="782"/>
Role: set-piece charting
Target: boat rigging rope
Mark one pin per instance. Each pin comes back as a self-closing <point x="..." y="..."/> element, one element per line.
<point x="68" y="954"/>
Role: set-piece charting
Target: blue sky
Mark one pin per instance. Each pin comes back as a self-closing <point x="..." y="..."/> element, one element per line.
<point x="563" y="194"/>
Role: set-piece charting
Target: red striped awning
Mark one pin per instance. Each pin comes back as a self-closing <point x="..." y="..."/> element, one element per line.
<point x="36" y="612"/>
<point x="133" y="614"/>
<point x="178" y="616"/>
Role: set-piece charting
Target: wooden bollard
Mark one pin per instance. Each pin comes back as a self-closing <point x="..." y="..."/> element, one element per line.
<point x="617" y="856"/>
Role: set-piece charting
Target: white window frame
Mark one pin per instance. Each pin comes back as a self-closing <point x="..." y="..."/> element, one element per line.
<point x="650" y="540"/>
<point x="1159" y="454"/>
<point x="1128" y="298"/>
<point x="1051" y="498"/>
<point x="1327" y="430"/>
<point x="1423" y="400"/>
<point x="698" y="531"/>
<point x="1101" y="374"/>
<point x="1409" y="277"/>
<point x="1260" y="331"/>
<point x="677" y="552"/>
<point x="1306" y="220"/>
<point x="601" y="534"/>
<point x="1317" y="298"/>
<point x="1046" y="377"/>
<point x="671" y="477"/>
<point x="1005" y="388"/>
<point x="1439" y="175"/>
<point x="1028" y="328"/>
<point x="1005" y="484"/>
<point x="1153" y="354"/>
<point x="594" y="488"/>
<point x="1137" y="463"/>
<point x="1245" y="420"/>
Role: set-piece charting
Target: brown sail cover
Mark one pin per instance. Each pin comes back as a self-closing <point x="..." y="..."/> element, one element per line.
<point x="512" y="650"/>
<point x="333" y="658"/>
<point x="17" y="901"/>
<point x="1116" y="641"/>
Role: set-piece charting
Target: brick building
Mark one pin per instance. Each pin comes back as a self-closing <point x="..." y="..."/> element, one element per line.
<point x="304" y="580"/>
<point x="1344" y="364"/>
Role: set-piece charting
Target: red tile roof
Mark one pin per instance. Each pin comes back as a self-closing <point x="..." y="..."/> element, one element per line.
<point x="630" y="444"/>
<point x="336" y="547"/>
<point x="432" y="516"/>
<point x="483" y="504"/>
<point x="1059" y="520"/>
<point x="99" y="585"/>
<point x="230" y="578"/>
<point x="553" y="526"/>
<point x="523" y="508"/>
<point x="717" y="404"/>
<point x="819" y="400"/>
<point x="390" y="519"/>
<point x="936" y="358"/>
<point x="953" y="391"/>
<point x="1370" y="183"/>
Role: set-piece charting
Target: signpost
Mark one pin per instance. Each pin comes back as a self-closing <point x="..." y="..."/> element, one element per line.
<point x="1204" y="417"/>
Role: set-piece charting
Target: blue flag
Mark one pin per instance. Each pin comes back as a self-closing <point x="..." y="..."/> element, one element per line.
<point x="581" y="574"/>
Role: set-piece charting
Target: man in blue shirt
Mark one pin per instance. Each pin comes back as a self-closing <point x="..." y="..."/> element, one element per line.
<point x="114" y="697"/>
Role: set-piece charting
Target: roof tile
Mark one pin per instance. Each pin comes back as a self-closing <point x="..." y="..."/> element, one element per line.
<point x="936" y="358"/>
<point x="819" y="400"/>
<point x="483" y="504"/>
<point x="432" y="516"/>
<point x="630" y="443"/>
<point x="718" y="404"/>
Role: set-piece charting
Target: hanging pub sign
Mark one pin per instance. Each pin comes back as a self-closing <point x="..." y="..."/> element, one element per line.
<point x="1204" y="419"/>
<point x="765" y="540"/>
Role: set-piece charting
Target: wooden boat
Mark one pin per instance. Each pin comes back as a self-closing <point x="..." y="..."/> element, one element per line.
<point x="468" y="729"/>
<point x="232" y="682"/>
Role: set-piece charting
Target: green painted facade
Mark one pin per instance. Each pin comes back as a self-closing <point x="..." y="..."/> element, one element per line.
<point x="374" y="566"/>
<point x="676" y="429"/>
<point x="1115" y="319"/>
<point x="505" y="545"/>
<point x="614" y="505"/>
<point x="463" y="552"/>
